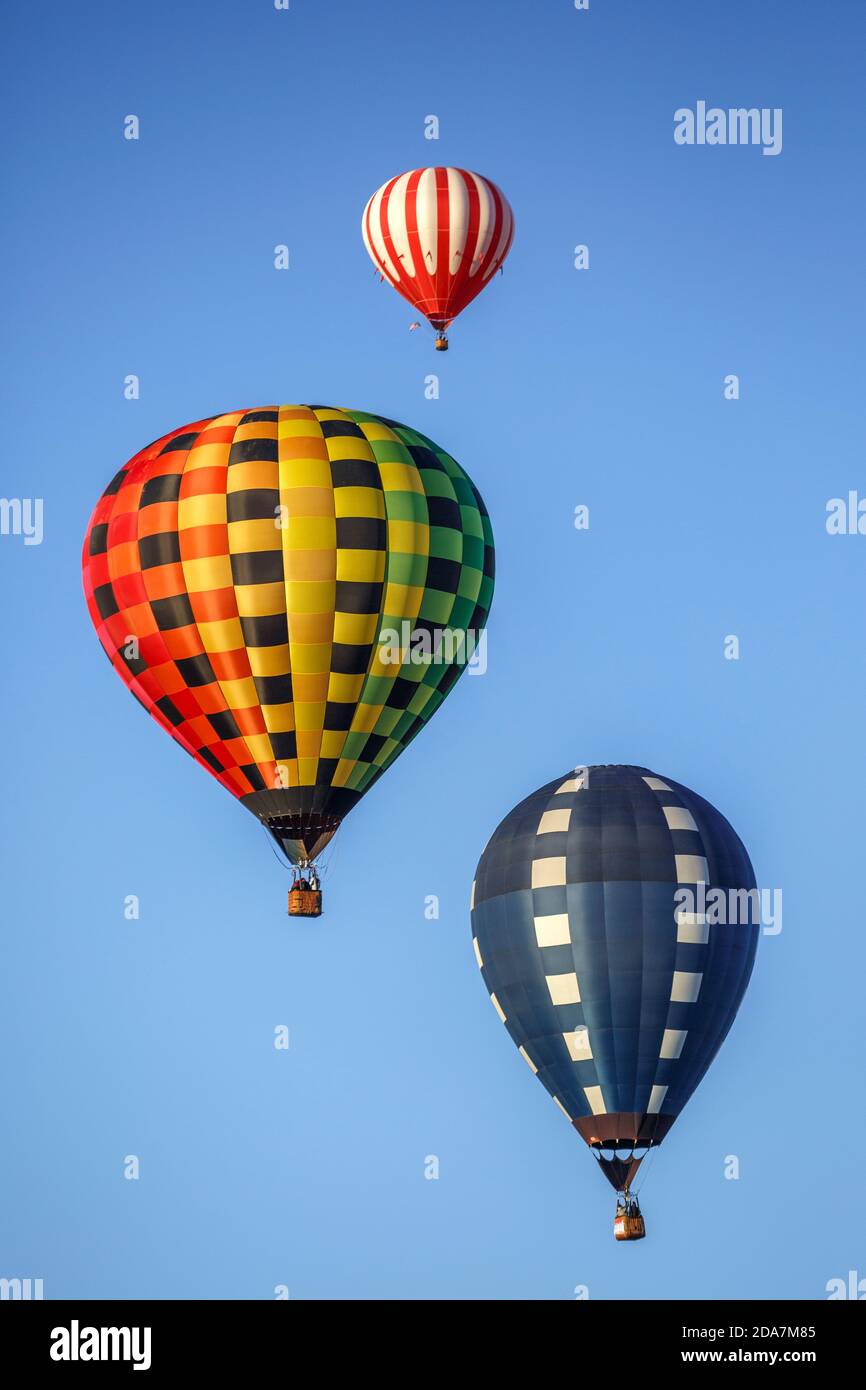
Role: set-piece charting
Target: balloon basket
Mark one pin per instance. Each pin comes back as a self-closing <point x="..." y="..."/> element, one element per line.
<point x="305" y="902"/>
<point x="628" y="1224"/>
<point x="629" y="1228"/>
<point x="442" y="343"/>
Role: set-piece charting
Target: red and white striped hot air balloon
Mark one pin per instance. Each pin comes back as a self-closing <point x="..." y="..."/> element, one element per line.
<point x="438" y="235"/>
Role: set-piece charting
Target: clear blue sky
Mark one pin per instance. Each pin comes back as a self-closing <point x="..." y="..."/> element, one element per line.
<point x="603" y="387"/>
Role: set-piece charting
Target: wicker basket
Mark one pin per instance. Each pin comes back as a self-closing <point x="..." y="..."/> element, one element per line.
<point x="629" y="1227"/>
<point x="304" y="902"/>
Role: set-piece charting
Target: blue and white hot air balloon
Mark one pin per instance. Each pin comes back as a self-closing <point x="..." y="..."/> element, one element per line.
<point x="601" y="921"/>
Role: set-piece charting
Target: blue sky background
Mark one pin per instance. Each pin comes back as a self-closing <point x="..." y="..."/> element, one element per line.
<point x="603" y="387"/>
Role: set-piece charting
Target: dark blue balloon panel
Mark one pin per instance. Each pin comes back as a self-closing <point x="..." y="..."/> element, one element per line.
<point x="611" y="961"/>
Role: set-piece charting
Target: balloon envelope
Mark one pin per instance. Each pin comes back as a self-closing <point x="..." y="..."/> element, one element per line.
<point x="595" y="941"/>
<point x="244" y="573"/>
<point x="438" y="236"/>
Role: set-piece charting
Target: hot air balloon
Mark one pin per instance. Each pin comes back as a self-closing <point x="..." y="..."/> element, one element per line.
<point x="607" y="954"/>
<point x="264" y="581"/>
<point x="438" y="236"/>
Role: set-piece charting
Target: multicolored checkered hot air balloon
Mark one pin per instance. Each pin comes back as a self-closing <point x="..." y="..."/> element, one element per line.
<point x="291" y="592"/>
<point x="615" y="920"/>
<point x="438" y="236"/>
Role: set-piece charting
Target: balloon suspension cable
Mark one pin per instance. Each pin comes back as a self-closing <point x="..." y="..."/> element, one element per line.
<point x="283" y="863"/>
<point x="653" y="1150"/>
<point x="322" y="867"/>
<point x="327" y="859"/>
